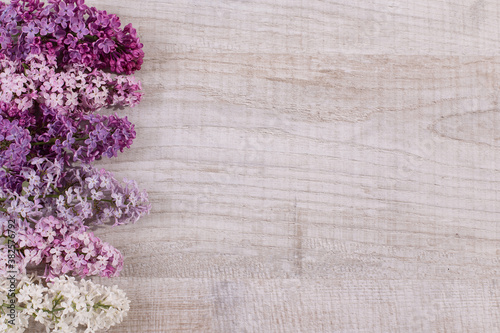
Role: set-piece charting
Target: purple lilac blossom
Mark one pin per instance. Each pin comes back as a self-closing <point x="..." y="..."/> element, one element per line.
<point x="80" y="195"/>
<point x="96" y="37"/>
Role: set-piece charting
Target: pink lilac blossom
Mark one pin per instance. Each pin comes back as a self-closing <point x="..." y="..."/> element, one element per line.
<point x="77" y="90"/>
<point x="63" y="249"/>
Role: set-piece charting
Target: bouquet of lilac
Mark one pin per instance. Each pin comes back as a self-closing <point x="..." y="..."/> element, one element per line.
<point x="60" y="63"/>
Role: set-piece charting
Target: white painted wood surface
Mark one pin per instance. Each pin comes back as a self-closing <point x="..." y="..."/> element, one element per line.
<point x="314" y="166"/>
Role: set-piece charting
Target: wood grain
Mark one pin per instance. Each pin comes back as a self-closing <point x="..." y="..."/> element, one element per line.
<point x="314" y="166"/>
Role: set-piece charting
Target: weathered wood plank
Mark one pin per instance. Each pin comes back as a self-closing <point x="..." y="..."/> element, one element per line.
<point x="313" y="305"/>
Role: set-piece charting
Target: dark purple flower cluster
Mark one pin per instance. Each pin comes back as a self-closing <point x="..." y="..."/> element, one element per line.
<point x="72" y="32"/>
<point x="83" y="139"/>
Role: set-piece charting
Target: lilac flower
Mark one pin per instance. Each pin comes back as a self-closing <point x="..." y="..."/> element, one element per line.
<point x="94" y="89"/>
<point x="31" y="176"/>
<point x="107" y="45"/>
<point x="46" y="27"/>
<point x="60" y="202"/>
<point x="114" y="22"/>
<point x="92" y="182"/>
<point x="9" y="15"/>
<point x="78" y="27"/>
<point x="30" y="29"/>
<point x="74" y="55"/>
<point x="102" y="19"/>
<point x="66" y="9"/>
<point x="96" y="195"/>
<point x="71" y="41"/>
<point x="12" y="28"/>
<point x="80" y="4"/>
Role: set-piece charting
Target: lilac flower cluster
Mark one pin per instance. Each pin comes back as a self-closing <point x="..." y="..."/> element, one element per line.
<point x="79" y="195"/>
<point x="62" y="305"/>
<point x="70" y="31"/>
<point x="61" y="63"/>
<point x="63" y="249"/>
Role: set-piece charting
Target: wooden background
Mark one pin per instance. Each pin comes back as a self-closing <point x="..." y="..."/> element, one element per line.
<point x="314" y="166"/>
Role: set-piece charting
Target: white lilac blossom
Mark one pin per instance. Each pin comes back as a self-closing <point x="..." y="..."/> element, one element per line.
<point x="63" y="305"/>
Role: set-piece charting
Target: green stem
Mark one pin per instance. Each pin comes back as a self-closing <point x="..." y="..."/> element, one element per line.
<point x="51" y="141"/>
<point x="100" y="305"/>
